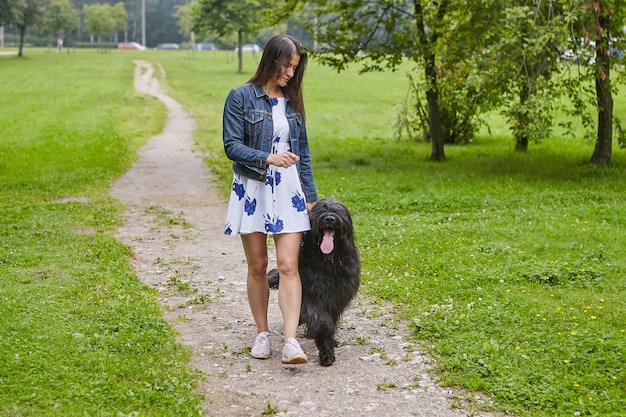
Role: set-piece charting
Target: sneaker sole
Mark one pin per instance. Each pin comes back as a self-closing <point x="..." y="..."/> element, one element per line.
<point x="260" y="357"/>
<point x="298" y="359"/>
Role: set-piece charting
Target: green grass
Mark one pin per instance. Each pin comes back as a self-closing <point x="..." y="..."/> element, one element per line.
<point x="509" y="267"/>
<point x="79" y="335"/>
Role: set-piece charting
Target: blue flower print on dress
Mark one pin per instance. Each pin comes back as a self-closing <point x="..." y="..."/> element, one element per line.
<point x="273" y="226"/>
<point x="238" y="189"/>
<point x="228" y="230"/>
<point x="269" y="180"/>
<point x="298" y="202"/>
<point x="277" y="139"/>
<point x="250" y="206"/>
<point x="273" y="101"/>
<point x="272" y="181"/>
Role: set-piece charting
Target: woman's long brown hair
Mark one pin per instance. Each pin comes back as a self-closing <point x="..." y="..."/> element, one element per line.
<point x="278" y="52"/>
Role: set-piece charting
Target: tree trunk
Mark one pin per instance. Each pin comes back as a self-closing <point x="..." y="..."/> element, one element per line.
<point x="521" y="144"/>
<point x="22" y="33"/>
<point x="521" y="135"/>
<point x="434" y="119"/>
<point x="604" y="139"/>
<point x="240" y="52"/>
<point x="432" y="93"/>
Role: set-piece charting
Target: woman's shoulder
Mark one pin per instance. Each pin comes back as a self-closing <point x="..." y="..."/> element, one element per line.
<point x="246" y="93"/>
<point x="249" y="88"/>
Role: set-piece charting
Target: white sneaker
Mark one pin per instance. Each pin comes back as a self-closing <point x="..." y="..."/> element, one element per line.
<point x="292" y="352"/>
<point x="261" y="348"/>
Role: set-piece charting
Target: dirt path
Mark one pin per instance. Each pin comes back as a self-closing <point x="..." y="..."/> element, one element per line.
<point x="174" y="223"/>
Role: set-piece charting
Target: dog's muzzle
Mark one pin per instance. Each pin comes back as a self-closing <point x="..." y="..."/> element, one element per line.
<point x="328" y="234"/>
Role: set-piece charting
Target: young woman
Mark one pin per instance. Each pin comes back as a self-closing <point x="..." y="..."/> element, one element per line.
<point x="265" y="136"/>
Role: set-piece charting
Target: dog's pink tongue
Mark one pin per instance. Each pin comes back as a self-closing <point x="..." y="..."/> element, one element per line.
<point x="328" y="242"/>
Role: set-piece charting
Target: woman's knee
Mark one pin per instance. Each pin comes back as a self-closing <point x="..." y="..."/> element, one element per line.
<point x="288" y="269"/>
<point x="255" y="247"/>
<point x="258" y="268"/>
<point x="287" y="252"/>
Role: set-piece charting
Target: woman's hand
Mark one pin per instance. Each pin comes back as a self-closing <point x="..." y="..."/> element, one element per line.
<point x="283" y="159"/>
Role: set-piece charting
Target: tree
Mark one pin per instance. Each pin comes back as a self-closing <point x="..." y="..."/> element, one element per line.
<point x="522" y="63"/>
<point x="132" y="9"/>
<point x="225" y="17"/>
<point x="596" y="30"/>
<point x="185" y="24"/>
<point x="603" y="26"/>
<point x="60" y="17"/>
<point x="104" y="19"/>
<point x="384" y="34"/>
<point x="10" y="11"/>
<point x="119" y="16"/>
<point x="28" y="15"/>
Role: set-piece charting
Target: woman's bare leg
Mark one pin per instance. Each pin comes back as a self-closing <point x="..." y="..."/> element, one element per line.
<point x="290" y="287"/>
<point x="255" y="247"/>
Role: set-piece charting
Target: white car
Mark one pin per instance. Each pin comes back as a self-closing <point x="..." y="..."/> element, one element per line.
<point x="250" y="47"/>
<point x="131" y="45"/>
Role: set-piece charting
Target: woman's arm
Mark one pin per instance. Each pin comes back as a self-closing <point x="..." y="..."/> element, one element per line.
<point x="306" y="168"/>
<point x="233" y="133"/>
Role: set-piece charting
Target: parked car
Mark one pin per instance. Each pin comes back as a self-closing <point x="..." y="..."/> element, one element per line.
<point x="206" y="47"/>
<point x="131" y="45"/>
<point x="250" y="47"/>
<point x="168" y="46"/>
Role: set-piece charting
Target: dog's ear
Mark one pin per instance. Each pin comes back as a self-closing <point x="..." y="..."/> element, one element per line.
<point x="345" y="215"/>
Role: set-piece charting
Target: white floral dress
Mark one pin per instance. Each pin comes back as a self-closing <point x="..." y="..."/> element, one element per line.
<point x="275" y="206"/>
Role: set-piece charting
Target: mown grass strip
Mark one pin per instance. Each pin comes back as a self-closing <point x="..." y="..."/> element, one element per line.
<point x="79" y="335"/>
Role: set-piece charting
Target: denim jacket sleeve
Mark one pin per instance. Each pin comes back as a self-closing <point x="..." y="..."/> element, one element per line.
<point x="235" y="146"/>
<point x="306" y="169"/>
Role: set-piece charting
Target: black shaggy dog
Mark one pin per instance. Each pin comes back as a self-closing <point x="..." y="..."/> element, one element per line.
<point x="330" y="272"/>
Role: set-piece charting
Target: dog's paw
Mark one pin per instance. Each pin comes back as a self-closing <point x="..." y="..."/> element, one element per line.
<point x="327" y="358"/>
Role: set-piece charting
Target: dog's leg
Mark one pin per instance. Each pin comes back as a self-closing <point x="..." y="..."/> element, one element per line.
<point x="326" y="345"/>
<point x="323" y="331"/>
<point x="321" y="328"/>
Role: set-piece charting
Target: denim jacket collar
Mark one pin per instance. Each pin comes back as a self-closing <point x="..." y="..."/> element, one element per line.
<point x="260" y="92"/>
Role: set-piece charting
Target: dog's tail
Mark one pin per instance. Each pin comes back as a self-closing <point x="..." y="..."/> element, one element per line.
<point x="273" y="278"/>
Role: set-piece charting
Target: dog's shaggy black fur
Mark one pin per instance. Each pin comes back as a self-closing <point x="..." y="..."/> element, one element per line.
<point x="330" y="273"/>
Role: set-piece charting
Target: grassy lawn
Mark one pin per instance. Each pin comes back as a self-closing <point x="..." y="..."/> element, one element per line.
<point x="79" y="335"/>
<point x="509" y="267"/>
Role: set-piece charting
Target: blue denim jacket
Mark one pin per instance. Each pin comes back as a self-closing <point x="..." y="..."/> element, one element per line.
<point x="248" y="131"/>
